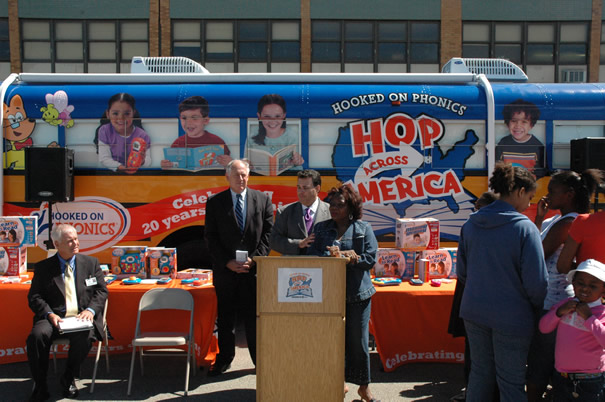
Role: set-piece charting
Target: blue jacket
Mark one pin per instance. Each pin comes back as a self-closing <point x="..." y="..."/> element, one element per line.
<point x="359" y="237"/>
<point x="501" y="262"/>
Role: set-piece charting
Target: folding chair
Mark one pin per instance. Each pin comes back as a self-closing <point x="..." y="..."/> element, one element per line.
<point x="165" y="341"/>
<point x="105" y="334"/>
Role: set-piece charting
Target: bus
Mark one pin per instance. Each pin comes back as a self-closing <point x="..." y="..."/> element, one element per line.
<point x="412" y="145"/>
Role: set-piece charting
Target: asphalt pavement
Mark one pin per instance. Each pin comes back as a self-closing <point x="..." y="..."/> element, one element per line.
<point x="164" y="379"/>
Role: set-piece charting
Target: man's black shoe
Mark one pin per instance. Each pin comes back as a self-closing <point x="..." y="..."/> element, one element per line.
<point x="69" y="389"/>
<point x="39" y="394"/>
<point x="219" y="368"/>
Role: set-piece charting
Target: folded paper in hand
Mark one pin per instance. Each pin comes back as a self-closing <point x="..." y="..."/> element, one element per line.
<point x="73" y="324"/>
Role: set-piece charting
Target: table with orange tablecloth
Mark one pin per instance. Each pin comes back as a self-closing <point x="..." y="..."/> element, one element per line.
<point x="409" y="324"/>
<point x="16" y="318"/>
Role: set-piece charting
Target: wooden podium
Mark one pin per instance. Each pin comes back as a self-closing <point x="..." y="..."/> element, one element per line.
<point x="300" y="328"/>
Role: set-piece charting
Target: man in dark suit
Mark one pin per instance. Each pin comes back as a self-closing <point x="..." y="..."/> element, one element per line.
<point x="66" y="284"/>
<point x="293" y="229"/>
<point x="238" y="219"/>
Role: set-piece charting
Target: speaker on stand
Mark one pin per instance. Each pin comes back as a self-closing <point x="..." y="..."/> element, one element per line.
<point x="49" y="176"/>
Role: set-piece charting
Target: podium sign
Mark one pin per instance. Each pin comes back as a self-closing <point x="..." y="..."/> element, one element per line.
<point x="299" y="285"/>
<point x="300" y="328"/>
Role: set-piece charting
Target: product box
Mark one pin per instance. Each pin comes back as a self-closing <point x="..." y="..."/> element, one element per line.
<point x="129" y="261"/>
<point x="205" y="275"/>
<point x="13" y="260"/>
<point x="18" y="231"/>
<point x="161" y="261"/>
<point x="423" y="270"/>
<point x="417" y="234"/>
<point x="442" y="262"/>
<point x="392" y="262"/>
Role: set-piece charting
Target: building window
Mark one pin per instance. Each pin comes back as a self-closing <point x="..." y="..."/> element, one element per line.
<point x="508" y="42"/>
<point x="602" y="57"/>
<point x="424" y="46"/>
<point x="252" y="41"/>
<point x="326" y="38"/>
<point x="4" y="43"/>
<point x="392" y="42"/>
<point x="476" y="40"/>
<point x="82" y="46"/>
<point x="539" y="48"/>
<point x="541" y="41"/>
<point x="232" y="46"/>
<point x="285" y="42"/>
<point x="219" y="41"/>
<point x="359" y="42"/>
<point x="573" y="47"/>
<point x="186" y="40"/>
<point x="375" y="46"/>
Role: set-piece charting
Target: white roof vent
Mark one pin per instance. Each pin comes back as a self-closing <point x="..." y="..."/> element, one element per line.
<point x="494" y="69"/>
<point x="143" y="65"/>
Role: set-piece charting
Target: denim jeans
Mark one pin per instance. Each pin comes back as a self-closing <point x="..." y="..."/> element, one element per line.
<point x="588" y="390"/>
<point x="496" y="357"/>
<point x="357" y="334"/>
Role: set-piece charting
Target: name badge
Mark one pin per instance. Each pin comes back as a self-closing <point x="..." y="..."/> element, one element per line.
<point x="91" y="281"/>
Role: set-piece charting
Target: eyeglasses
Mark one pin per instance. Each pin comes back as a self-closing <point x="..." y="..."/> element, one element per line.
<point x="338" y="205"/>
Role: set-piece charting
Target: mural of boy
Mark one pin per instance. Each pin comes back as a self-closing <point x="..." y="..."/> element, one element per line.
<point x="520" y="147"/>
<point x="194" y="116"/>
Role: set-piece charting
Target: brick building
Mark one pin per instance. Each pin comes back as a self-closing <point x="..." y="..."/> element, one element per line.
<point x="552" y="40"/>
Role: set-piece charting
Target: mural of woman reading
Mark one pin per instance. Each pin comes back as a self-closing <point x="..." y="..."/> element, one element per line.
<point x="274" y="147"/>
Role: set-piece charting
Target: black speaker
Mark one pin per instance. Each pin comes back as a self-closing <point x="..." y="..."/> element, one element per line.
<point x="587" y="153"/>
<point x="49" y="174"/>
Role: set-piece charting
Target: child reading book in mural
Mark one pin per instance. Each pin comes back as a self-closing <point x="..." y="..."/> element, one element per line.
<point x="520" y="147"/>
<point x="275" y="146"/>
<point x="122" y="143"/>
<point x="194" y="117"/>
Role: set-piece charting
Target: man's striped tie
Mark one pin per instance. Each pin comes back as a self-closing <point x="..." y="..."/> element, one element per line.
<point x="239" y="212"/>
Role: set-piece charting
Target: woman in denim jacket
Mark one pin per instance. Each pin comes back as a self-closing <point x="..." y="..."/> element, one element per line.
<point x="345" y="235"/>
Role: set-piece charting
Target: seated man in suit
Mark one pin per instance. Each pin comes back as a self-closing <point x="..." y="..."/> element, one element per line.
<point x="293" y="229"/>
<point x="66" y="284"/>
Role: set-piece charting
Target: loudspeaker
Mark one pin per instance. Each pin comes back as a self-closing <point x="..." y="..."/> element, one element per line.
<point x="587" y="153"/>
<point x="49" y="174"/>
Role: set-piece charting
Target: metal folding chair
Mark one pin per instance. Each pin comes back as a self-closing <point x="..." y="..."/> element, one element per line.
<point x="164" y="342"/>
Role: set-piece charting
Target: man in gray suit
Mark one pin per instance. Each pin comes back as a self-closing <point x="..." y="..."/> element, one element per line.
<point x="293" y="229"/>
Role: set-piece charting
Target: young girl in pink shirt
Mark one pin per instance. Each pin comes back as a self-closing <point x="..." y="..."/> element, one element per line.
<point x="580" y="344"/>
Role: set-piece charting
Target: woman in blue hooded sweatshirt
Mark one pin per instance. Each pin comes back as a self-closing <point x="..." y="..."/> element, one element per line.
<point x="501" y="262"/>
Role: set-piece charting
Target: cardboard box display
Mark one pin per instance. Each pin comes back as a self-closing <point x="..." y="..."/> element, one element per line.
<point x="423" y="270"/>
<point x="129" y="261"/>
<point x="442" y="262"/>
<point x="394" y="263"/>
<point x="13" y="260"/>
<point x="161" y="262"/>
<point x="205" y="275"/>
<point x="18" y="231"/>
<point x="417" y="234"/>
